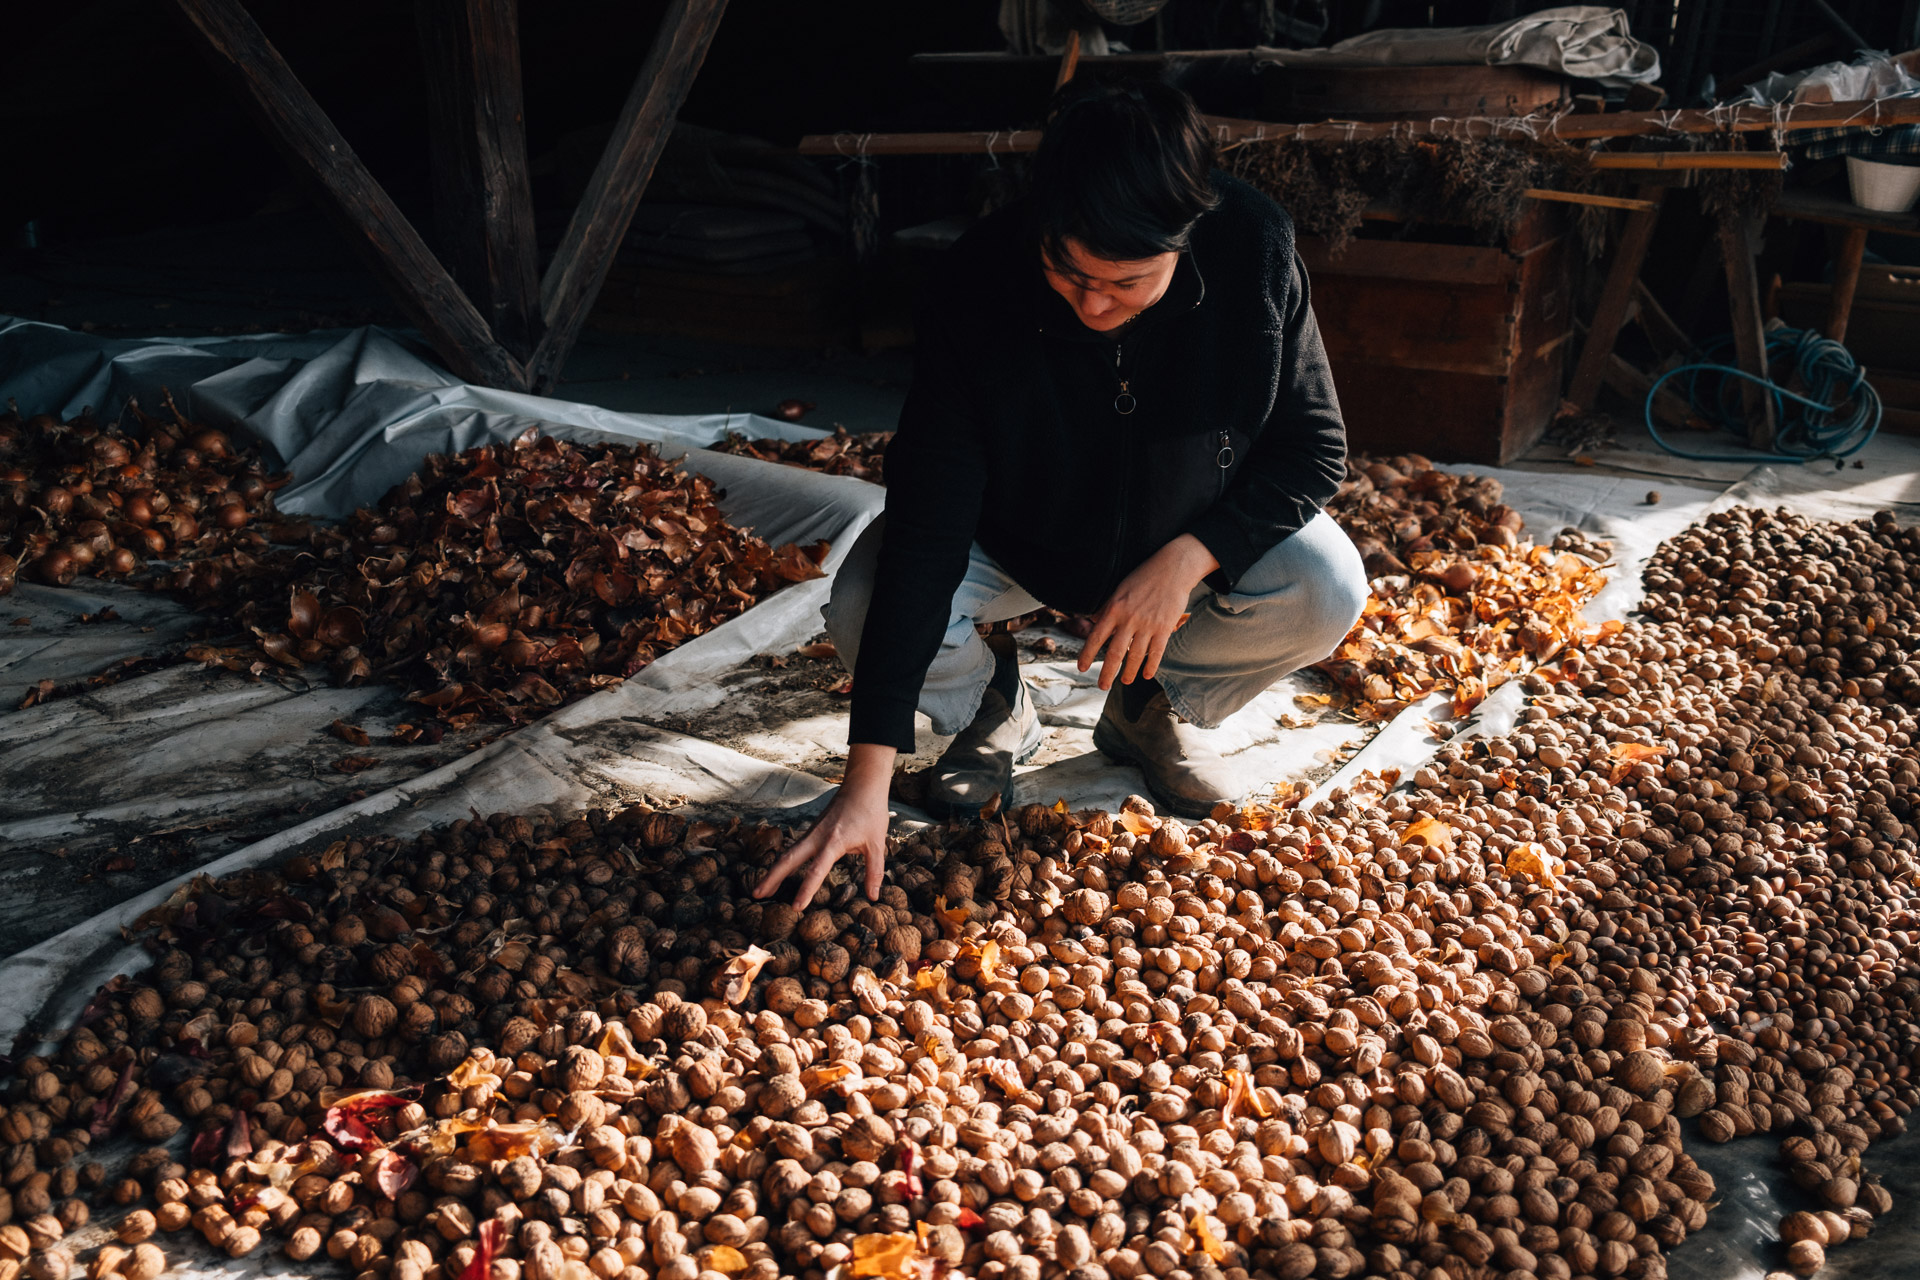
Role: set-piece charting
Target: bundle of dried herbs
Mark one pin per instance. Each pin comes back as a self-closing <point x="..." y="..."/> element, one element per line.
<point x="1479" y="183"/>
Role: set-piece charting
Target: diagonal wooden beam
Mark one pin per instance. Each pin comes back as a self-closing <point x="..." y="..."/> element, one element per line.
<point x="592" y="238"/>
<point x="482" y="191"/>
<point x="398" y="255"/>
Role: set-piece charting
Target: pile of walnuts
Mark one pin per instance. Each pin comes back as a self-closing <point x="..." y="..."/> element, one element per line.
<point x="1470" y="1028"/>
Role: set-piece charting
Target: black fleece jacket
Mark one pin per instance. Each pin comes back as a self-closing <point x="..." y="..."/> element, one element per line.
<point x="1012" y="436"/>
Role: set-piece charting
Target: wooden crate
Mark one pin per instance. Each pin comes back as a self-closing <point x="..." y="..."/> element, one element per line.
<point x="1453" y="351"/>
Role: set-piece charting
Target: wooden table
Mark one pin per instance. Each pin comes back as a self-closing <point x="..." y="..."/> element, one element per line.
<point x="1855" y="223"/>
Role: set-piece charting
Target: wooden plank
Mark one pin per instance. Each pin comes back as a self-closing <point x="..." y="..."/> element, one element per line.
<point x="1749" y="329"/>
<point x="1656" y="323"/>
<point x="1624" y="124"/>
<point x="398" y="255"/>
<point x="1436" y="327"/>
<point x="1669" y="409"/>
<point x="1690" y="160"/>
<point x="1611" y="311"/>
<point x="483" y="194"/>
<point x="1069" y="61"/>
<point x="1588" y="198"/>
<point x="1846" y="279"/>
<point x="1403" y="260"/>
<point x="1811" y="206"/>
<point x="600" y="222"/>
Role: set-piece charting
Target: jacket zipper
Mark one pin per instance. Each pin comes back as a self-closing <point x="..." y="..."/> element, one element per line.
<point x="1126" y="472"/>
<point x="1223" y="460"/>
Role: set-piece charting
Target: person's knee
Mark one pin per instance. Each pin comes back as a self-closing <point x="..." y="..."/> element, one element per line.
<point x="1334" y="591"/>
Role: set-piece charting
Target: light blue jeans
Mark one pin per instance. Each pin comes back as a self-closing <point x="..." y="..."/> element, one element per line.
<point x="1290" y="610"/>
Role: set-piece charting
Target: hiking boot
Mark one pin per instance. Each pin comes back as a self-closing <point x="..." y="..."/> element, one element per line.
<point x="979" y="762"/>
<point x="1183" y="771"/>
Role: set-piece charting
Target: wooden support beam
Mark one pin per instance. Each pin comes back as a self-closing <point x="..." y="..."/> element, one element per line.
<point x="1069" y="61"/>
<point x="1749" y="329"/>
<point x="1656" y="323"/>
<point x="1690" y="160"/>
<point x="295" y="122"/>
<point x="1611" y="311"/>
<point x="1587" y="198"/>
<point x="1846" y="279"/>
<point x="482" y="191"/>
<point x="587" y="249"/>
<point x="1669" y="409"/>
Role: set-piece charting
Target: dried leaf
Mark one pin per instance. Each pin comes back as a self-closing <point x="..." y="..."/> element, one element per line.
<point x="1430" y="831"/>
<point x="740" y="973"/>
<point x="511" y="1141"/>
<point x="890" y="1255"/>
<point x="1533" y="861"/>
<point x="348" y="1120"/>
<point x="493" y="1234"/>
<point x="1206" y="1240"/>
<point x="352" y="733"/>
<point x="726" y="1259"/>
<point x="470" y="1073"/>
<point x="1137" y="823"/>
<point x="814" y="1078"/>
<point x="389" y="1172"/>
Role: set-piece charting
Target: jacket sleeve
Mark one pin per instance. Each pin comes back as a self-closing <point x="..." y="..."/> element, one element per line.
<point x="936" y="475"/>
<point x="1295" y="466"/>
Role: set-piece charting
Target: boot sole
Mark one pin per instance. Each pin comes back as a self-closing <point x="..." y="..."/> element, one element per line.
<point x="1113" y="746"/>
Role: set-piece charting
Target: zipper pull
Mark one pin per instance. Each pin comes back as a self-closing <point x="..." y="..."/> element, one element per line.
<point x="1123" y="403"/>
<point x="1224" y="458"/>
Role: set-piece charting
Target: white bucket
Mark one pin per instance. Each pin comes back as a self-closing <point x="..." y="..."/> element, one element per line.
<point x="1885" y="188"/>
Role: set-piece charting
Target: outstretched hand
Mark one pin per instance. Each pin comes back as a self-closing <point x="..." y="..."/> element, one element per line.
<point x="855" y="822"/>
<point x="1144" y="611"/>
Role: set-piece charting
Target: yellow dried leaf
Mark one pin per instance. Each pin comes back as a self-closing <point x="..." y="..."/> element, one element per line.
<point x="741" y="972"/>
<point x="616" y="1041"/>
<point x="1206" y="1240"/>
<point x="726" y="1259"/>
<point x="1005" y="1073"/>
<point x="1430" y="831"/>
<point x="511" y="1141"/>
<point x="470" y="1073"/>
<point x="955" y="916"/>
<point x="1060" y="805"/>
<point x="936" y="1049"/>
<point x="1137" y="823"/>
<point x="1534" y="862"/>
<point x="886" y="1254"/>
<point x="1633" y="752"/>
<point x="820" y="1077"/>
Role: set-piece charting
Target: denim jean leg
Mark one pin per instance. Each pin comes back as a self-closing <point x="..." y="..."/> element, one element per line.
<point x="957" y="678"/>
<point x="1289" y="610"/>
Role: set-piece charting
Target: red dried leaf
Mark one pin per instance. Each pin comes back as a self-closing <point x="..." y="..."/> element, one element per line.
<point x="389" y="1172"/>
<point x="492" y="1233"/>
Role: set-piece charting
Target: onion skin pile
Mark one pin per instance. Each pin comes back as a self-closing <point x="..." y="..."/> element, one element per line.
<point x="493" y="585"/>
<point x="82" y="499"/>
<point x="1469" y="1028"/>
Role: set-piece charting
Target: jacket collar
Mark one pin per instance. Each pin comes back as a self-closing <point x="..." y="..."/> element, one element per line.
<point x="1185" y="292"/>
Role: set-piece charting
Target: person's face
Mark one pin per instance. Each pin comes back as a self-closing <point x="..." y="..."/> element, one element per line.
<point x="1105" y="294"/>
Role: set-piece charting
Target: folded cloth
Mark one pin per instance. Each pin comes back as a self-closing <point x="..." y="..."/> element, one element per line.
<point x="1586" y="41"/>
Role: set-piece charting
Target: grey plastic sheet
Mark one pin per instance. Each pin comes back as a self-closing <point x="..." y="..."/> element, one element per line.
<point x="349" y="412"/>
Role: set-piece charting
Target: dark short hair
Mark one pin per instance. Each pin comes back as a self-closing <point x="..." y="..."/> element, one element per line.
<point x="1123" y="168"/>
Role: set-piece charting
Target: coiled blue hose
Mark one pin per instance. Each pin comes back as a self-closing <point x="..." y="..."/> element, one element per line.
<point x="1835" y="419"/>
